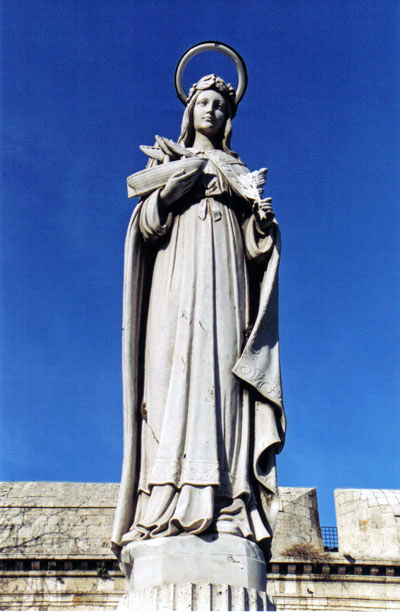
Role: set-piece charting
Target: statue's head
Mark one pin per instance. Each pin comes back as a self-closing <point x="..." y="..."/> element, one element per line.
<point x="214" y="82"/>
<point x="223" y="98"/>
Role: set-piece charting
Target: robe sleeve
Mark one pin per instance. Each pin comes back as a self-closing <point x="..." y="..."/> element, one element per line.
<point x="152" y="226"/>
<point x="258" y="244"/>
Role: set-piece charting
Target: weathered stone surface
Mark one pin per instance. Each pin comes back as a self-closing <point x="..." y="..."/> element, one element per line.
<point x="330" y="592"/>
<point x="56" y="517"/>
<point x="207" y="456"/>
<point x="192" y="559"/>
<point x="297" y="521"/>
<point x="368" y="522"/>
<point x="75" y="518"/>
<point x="218" y="597"/>
<point x="45" y="526"/>
<point x="61" y="590"/>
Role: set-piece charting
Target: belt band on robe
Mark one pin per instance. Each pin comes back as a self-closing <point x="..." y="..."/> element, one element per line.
<point x="209" y="205"/>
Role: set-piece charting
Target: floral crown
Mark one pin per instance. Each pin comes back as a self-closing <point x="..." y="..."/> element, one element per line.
<point x="212" y="81"/>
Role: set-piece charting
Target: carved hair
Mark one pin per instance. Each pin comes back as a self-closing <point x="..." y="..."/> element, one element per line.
<point x="214" y="82"/>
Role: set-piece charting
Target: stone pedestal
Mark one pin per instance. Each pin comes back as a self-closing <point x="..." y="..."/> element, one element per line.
<point x="221" y="572"/>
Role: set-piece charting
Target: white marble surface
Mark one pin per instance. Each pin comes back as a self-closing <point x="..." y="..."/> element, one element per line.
<point x="222" y="559"/>
<point x="203" y="411"/>
<point x="208" y="337"/>
<point x="205" y="597"/>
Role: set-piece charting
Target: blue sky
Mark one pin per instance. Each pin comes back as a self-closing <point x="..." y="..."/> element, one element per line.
<point x="83" y="85"/>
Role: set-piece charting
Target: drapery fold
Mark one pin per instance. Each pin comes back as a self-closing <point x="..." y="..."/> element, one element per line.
<point x="164" y="506"/>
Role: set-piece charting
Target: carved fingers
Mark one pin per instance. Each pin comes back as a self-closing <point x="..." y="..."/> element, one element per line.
<point x="264" y="213"/>
<point x="178" y="185"/>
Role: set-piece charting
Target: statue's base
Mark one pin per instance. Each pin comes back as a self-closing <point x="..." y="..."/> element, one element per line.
<point x="215" y="572"/>
<point x="215" y="597"/>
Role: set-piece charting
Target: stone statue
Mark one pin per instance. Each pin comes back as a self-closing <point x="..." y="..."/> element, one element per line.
<point x="203" y="413"/>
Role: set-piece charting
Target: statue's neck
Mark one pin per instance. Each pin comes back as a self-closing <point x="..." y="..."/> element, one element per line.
<point x="202" y="142"/>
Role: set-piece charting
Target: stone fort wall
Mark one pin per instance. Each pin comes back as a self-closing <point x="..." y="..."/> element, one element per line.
<point x="54" y="549"/>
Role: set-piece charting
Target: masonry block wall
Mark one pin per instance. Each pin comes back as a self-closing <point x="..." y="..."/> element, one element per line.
<point x="368" y="522"/>
<point x="55" y="555"/>
<point x="298" y="521"/>
<point x="45" y="518"/>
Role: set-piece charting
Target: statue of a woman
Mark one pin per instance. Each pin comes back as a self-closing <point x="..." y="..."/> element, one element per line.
<point x="203" y="414"/>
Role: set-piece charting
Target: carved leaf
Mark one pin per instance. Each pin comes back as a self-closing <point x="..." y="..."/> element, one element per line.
<point x="253" y="184"/>
<point x="153" y="152"/>
<point x="163" y="146"/>
<point x="178" y="149"/>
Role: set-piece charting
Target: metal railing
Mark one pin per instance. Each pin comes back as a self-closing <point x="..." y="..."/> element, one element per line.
<point x="329" y="538"/>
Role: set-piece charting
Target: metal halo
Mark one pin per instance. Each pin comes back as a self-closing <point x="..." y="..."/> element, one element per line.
<point x="211" y="45"/>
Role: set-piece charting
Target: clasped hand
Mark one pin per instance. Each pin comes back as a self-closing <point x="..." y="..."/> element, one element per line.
<point x="181" y="182"/>
<point x="264" y="214"/>
<point x="177" y="186"/>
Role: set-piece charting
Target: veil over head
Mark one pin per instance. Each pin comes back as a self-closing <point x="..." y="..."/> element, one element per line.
<point x="251" y="375"/>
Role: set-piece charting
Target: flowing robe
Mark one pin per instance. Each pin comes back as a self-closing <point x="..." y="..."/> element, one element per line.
<point x="199" y="463"/>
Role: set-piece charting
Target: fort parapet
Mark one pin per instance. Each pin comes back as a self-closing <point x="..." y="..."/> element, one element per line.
<point x="55" y="555"/>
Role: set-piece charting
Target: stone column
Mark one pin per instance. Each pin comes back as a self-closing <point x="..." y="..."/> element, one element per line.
<point x="215" y="572"/>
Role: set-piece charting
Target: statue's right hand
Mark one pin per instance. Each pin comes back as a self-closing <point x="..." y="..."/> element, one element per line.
<point x="177" y="186"/>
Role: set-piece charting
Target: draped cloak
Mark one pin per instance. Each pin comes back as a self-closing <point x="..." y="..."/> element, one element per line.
<point x="257" y="367"/>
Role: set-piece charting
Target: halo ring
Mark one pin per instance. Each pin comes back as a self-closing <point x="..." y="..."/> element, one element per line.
<point x="211" y="45"/>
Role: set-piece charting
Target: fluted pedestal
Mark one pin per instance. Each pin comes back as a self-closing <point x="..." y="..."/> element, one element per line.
<point x="194" y="597"/>
<point x="221" y="572"/>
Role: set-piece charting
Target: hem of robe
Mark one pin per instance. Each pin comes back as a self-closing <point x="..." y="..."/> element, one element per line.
<point x="227" y="484"/>
<point x="134" y="273"/>
<point x="168" y="511"/>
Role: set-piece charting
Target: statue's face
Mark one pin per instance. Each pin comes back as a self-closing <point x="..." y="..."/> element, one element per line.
<point x="209" y="112"/>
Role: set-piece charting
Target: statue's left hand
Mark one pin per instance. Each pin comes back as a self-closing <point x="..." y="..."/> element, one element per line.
<point x="264" y="214"/>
